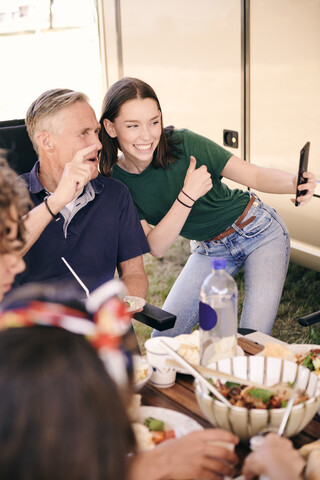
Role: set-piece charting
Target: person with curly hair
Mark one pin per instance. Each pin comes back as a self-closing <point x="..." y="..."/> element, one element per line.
<point x="14" y="204"/>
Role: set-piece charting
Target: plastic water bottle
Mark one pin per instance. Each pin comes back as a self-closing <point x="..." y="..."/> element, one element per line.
<point x="218" y="318"/>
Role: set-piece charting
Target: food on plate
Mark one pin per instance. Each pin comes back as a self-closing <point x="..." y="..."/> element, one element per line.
<point x="143" y="437"/>
<point x="310" y="359"/>
<point x="277" y="350"/>
<point x="224" y="348"/>
<point x="311" y="453"/>
<point x="157" y="429"/>
<point x="190" y="353"/>
<point x="140" y="371"/>
<point x="190" y="348"/>
<point x="261" y="398"/>
<point x="133" y="407"/>
<point x="132" y="304"/>
<point x="149" y="433"/>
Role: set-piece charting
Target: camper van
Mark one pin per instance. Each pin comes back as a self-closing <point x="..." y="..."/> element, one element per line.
<point x="245" y="73"/>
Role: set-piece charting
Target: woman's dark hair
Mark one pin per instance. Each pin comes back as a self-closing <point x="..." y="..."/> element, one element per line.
<point x="61" y="415"/>
<point x="120" y="92"/>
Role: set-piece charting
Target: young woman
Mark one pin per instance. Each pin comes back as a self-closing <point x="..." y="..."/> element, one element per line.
<point x="175" y="179"/>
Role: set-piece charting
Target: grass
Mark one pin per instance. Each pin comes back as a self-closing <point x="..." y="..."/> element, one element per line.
<point x="300" y="295"/>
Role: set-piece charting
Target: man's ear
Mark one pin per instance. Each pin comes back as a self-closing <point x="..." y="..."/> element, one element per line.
<point x="44" y="140"/>
<point x="109" y="128"/>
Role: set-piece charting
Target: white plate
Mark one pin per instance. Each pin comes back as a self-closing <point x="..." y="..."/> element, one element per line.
<point x="239" y="353"/>
<point x="180" y="423"/>
<point x="298" y="348"/>
<point x="138" y="363"/>
<point x="135" y="303"/>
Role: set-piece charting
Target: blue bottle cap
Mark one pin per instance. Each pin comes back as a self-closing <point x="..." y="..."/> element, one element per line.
<point x="218" y="263"/>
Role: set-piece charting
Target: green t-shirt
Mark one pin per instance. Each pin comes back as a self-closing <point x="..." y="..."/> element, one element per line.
<point x="154" y="190"/>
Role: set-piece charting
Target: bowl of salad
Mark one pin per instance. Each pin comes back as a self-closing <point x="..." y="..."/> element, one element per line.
<point x="260" y="404"/>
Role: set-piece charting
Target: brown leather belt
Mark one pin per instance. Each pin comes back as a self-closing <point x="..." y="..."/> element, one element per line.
<point x="238" y="222"/>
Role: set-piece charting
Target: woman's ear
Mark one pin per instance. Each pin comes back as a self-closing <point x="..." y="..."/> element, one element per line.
<point x="109" y="128"/>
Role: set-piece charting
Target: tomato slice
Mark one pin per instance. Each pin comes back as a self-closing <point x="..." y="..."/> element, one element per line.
<point x="160" y="436"/>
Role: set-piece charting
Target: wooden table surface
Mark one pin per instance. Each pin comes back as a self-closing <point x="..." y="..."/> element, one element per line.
<point x="181" y="398"/>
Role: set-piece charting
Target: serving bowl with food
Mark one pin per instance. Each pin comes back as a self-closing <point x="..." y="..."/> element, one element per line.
<point x="253" y="408"/>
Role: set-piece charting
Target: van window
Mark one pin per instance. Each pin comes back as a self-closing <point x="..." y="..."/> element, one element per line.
<point x="47" y="44"/>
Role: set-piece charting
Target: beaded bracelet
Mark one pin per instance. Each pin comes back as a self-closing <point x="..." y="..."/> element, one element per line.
<point x="56" y="217"/>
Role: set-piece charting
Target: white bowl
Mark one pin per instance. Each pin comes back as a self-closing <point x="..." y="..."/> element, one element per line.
<point x="267" y="371"/>
<point x="140" y="364"/>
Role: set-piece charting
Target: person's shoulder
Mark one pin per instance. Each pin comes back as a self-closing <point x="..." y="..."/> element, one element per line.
<point x="184" y="135"/>
<point x="110" y="182"/>
<point x="110" y="186"/>
<point x="175" y="133"/>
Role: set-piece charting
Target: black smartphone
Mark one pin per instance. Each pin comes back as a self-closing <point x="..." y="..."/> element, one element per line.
<point x="303" y="167"/>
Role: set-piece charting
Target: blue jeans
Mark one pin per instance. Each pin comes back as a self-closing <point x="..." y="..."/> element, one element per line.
<point x="262" y="248"/>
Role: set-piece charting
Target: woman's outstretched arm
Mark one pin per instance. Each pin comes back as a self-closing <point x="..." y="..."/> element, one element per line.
<point x="268" y="180"/>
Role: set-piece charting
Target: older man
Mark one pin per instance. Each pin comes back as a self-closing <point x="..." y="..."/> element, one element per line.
<point x="87" y="219"/>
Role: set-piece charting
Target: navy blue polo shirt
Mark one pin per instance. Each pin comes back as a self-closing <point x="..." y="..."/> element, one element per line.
<point x="103" y="232"/>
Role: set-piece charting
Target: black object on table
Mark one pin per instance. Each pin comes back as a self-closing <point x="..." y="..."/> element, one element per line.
<point x="310" y="319"/>
<point x="155" y="317"/>
<point x="245" y="331"/>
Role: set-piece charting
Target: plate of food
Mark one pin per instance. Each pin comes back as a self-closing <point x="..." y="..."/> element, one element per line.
<point x="154" y="425"/>
<point x="134" y="303"/>
<point x="301" y="353"/>
<point x="142" y="372"/>
<point x="190" y="349"/>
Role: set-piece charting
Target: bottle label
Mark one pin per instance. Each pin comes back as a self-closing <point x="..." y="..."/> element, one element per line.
<point x="207" y="316"/>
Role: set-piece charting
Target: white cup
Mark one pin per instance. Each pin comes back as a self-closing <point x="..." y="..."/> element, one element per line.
<point x="163" y="375"/>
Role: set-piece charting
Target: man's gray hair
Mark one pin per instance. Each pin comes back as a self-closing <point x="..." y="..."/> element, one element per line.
<point x="46" y="106"/>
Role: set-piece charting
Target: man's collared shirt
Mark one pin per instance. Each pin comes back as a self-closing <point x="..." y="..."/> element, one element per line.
<point x="102" y="230"/>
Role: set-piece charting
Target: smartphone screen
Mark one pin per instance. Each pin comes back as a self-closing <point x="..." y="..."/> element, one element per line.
<point x="303" y="167"/>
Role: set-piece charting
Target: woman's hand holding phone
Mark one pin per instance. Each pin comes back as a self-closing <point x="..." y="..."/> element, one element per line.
<point x="306" y="183"/>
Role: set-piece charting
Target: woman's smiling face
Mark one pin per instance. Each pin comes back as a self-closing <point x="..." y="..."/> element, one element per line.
<point x="138" y="130"/>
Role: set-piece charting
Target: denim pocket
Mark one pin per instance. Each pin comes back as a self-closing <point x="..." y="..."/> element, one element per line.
<point x="197" y="247"/>
<point x="262" y="222"/>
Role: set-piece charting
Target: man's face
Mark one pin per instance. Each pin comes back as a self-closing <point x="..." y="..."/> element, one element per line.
<point x="76" y="128"/>
<point x="11" y="262"/>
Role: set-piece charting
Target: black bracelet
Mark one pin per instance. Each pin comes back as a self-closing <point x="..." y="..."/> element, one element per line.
<point x="184" y="193"/>
<point x="56" y="217"/>
<point x="188" y="206"/>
